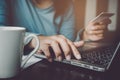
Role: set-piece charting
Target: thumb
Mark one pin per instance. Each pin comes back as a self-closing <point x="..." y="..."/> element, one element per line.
<point x="79" y="43"/>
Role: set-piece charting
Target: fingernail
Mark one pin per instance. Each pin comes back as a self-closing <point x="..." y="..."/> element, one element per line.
<point x="78" y="56"/>
<point x="60" y="58"/>
<point x="68" y="57"/>
<point x="50" y="60"/>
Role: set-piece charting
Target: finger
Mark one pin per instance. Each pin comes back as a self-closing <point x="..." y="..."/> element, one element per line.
<point x="79" y="43"/>
<point x="64" y="46"/>
<point x="96" y="32"/>
<point x="98" y="27"/>
<point x="99" y="35"/>
<point x="46" y="51"/>
<point x="56" y="48"/>
<point x="39" y="51"/>
<point x="74" y="50"/>
<point x="96" y="37"/>
<point x="105" y="21"/>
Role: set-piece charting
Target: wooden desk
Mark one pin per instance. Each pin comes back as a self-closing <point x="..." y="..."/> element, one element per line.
<point x="56" y="71"/>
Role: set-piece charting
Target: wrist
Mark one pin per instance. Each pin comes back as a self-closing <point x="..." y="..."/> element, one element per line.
<point x="84" y="36"/>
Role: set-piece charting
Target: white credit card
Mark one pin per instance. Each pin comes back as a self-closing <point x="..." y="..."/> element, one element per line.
<point x="102" y="16"/>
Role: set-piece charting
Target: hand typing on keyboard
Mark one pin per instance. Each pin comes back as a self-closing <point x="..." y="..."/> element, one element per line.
<point x="60" y="46"/>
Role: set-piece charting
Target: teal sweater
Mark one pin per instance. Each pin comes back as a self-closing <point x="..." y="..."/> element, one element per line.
<point x="36" y="20"/>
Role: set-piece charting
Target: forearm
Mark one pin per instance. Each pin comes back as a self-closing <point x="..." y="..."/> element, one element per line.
<point x="80" y="35"/>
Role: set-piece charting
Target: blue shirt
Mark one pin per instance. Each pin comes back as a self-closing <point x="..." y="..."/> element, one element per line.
<point x="37" y="20"/>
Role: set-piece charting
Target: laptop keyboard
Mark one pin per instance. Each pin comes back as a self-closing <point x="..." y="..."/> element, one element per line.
<point x="99" y="56"/>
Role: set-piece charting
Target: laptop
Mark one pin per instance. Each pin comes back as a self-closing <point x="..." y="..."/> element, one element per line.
<point x="97" y="59"/>
<point x="96" y="56"/>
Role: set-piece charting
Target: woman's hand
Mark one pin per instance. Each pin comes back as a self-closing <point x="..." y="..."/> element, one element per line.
<point x="58" y="43"/>
<point x="96" y="31"/>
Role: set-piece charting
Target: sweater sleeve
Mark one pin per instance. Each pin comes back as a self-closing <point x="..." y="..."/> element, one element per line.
<point x="68" y="26"/>
<point x="79" y="34"/>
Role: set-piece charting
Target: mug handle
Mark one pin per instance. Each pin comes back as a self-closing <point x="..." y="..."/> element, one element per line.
<point x="34" y="50"/>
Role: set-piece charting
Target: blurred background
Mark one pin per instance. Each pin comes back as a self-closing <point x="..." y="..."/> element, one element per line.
<point x="86" y="10"/>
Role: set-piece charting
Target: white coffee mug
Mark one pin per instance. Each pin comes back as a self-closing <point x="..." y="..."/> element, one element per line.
<point x="11" y="50"/>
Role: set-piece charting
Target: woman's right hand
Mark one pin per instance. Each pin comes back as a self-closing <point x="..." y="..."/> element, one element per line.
<point x="58" y="43"/>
